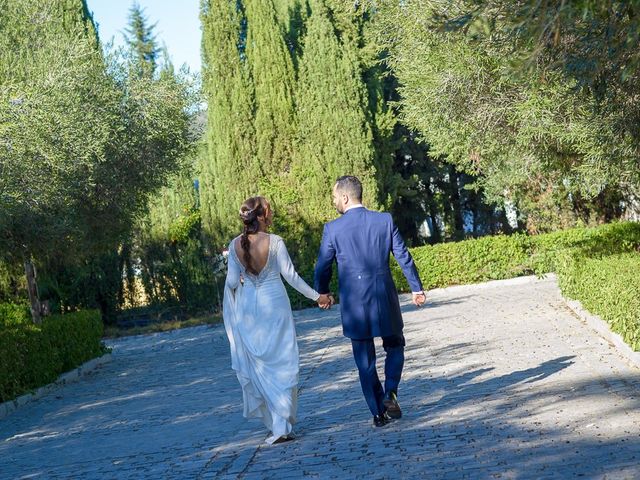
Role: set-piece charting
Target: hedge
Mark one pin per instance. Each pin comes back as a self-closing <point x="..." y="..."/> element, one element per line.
<point x="607" y="286"/>
<point x="598" y="266"/>
<point x="500" y="257"/>
<point x="607" y="239"/>
<point x="12" y="314"/>
<point x="32" y="356"/>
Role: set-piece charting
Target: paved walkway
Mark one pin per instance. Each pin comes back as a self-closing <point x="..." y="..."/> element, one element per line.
<point x="501" y="381"/>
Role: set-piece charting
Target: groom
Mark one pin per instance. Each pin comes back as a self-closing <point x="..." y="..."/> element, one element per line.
<point x="360" y="241"/>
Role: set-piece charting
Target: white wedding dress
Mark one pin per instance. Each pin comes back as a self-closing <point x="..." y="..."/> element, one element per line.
<point x="259" y="324"/>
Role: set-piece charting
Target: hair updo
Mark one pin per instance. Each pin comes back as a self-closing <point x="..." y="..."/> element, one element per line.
<point x="252" y="209"/>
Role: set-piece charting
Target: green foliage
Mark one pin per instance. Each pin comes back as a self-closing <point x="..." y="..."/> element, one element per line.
<point x="12" y="314"/>
<point x="537" y="140"/>
<point x="82" y="141"/>
<point x="272" y="79"/>
<point x="13" y="284"/>
<point x="608" y="286"/>
<point x="283" y="81"/>
<point x="184" y="226"/>
<point x="229" y="171"/>
<point x="172" y="252"/>
<point x="95" y="282"/>
<point x="181" y="273"/>
<point x="591" y="242"/>
<point x="142" y="43"/>
<point x="592" y="41"/>
<point x="74" y="336"/>
<point x="500" y="257"/>
<point x="85" y="139"/>
<point x="331" y="99"/>
<point x="32" y="356"/>
<point x="469" y="261"/>
<point x="53" y="125"/>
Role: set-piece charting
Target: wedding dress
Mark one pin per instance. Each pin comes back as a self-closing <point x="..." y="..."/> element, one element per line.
<point x="259" y="324"/>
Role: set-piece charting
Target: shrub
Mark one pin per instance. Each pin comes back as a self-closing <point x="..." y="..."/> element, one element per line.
<point x="14" y="314"/>
<point x="469" y="261"/>
<point x="606" y="239"/>
<point x="74" y="336"/>
<point x="500" y="257"/>
<point x="607" y="286"/>
<point x="32" y="356"/>
<point x="598" y="266"/>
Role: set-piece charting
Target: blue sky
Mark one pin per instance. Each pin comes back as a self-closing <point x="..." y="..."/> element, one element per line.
<point x="178" y="25"/>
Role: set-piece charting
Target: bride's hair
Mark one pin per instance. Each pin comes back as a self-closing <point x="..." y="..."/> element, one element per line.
<point x="250" y="210"/>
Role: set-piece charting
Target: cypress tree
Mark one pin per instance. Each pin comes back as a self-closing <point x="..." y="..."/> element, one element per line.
<point x="141" y="40"/>
<point x="272" y="78"/>
<point x="31" y="31"/>
<point x="229" y="170"/>
<point x="334" y="133"/>
<point x="292" y="17"/>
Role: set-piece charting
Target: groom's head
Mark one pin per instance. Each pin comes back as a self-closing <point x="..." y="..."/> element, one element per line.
<point x="346" y="192"/>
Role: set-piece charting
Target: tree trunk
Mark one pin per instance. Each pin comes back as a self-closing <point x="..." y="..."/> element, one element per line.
<point x="32" y="287"/>
<point x="436" y="236"/>
<point x="456" y="204"/>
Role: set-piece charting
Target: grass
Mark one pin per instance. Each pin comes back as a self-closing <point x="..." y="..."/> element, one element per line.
<point x="116" y="332"/>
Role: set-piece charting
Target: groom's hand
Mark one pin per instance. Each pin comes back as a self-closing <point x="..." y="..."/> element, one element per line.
<point x="333" y="300"/>
<point x="324" y="301"/>
<point x="419" y="298"/>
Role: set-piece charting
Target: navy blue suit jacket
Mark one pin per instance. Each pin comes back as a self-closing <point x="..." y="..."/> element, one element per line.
<point x="360" y="241"/>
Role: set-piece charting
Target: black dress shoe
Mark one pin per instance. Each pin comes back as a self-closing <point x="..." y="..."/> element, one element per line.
<point x="391" y="404"/>
<point x="381" y="420"/>
<point x="283" y="439"/>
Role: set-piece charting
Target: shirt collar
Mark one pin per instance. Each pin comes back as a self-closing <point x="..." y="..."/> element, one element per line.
<point x="356" y="205"/>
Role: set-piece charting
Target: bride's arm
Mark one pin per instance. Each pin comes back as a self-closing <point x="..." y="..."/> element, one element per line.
<point x="289" y="273"/>
<point x="233" y="273"/>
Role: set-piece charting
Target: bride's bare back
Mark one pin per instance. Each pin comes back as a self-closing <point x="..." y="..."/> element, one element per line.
<point x="258" y="249"/>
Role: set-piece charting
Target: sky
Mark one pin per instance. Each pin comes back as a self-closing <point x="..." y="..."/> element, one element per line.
<point x="178" y="25"/>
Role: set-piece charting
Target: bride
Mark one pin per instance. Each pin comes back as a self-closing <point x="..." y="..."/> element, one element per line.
<point x="259" y="323"/>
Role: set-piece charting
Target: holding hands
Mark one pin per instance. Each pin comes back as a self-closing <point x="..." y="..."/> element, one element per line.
<point x="326" y="301"/>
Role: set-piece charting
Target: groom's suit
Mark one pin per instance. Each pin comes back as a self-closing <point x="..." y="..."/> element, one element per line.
<point x="360" y="241"/>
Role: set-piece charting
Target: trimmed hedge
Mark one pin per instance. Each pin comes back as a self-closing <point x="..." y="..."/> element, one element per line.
<point x="608" y="286"/>
<point x="609" y="239"/>
<point x="468" y="261"/>
<point x="500" y="257"/>
<point x="32" y="356"/>
<point x="598" y="266"/>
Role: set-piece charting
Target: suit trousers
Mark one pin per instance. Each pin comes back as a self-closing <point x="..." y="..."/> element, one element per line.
<point x="364" y="353"/>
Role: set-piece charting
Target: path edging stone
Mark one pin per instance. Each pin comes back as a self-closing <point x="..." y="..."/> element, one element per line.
<point x="526" y="279"/>
<point x="10" y="406"/>
<point x="604" y="330"/>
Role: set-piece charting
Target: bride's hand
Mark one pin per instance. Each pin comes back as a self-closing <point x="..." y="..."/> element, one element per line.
<point x="324" y="301"/>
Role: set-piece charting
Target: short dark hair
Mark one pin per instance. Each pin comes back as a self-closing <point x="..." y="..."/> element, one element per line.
<point x="350" y="185"/>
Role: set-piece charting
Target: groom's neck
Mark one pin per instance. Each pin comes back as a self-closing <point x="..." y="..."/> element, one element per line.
<point x="353" y="205"/>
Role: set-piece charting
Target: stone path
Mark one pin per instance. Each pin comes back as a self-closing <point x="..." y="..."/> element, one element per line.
<point x="501" y="381"/>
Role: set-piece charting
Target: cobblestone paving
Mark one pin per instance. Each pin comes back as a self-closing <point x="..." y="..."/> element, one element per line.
<point x="501" y="381"/>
